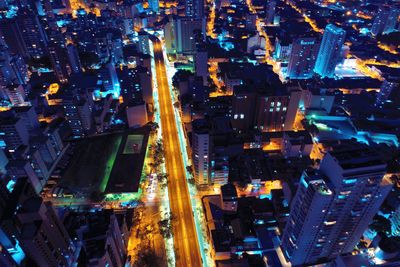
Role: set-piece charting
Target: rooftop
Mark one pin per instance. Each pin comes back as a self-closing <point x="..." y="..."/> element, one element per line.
<point x="351" y="155"/>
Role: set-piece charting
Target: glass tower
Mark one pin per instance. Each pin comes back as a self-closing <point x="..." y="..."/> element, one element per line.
<point x="330" y="51"/>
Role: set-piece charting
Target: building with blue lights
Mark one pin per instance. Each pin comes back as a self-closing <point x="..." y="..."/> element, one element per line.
<point x="154" y="6"/>
<point x="333" y="208"/>
<point x="330" y="51"/>
<point x="109" y="81"/>
<point x="385" y="21"/>
<point x="388" y="86"/>
<point x="270" y="13"/>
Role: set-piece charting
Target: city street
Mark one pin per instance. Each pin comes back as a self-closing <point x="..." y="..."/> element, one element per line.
<point x="185" y="239"/>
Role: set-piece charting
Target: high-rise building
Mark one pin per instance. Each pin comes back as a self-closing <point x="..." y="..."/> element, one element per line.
<point x="187" y="31"/>
<point x="333" y="207"/>
<point x="201" y="65"/>
<point x="48" y="13"/>
<point x="73" y="58"/>
<point x="181" y="35"/>
<point x="7" y="75"/>
<point x="219" y="170"/>
<point x="43" y="236"/>
<point x="59" y="61"/>
<point x="169" y="36"/>
<point x="12" y="67"/>
<point x="198" y="90"/>
<point x="130" y="85"/>
<point x="146" y="84"/>
<point x="28" y="115"/>
<point x="32" y="32"/>
<point x="78" y="114"/>
<point x="229" y="198"/>
<point x="18" y="169"/>
<point x="385" y="21"/>
<point x="3" y="161"/>
<point x="128" y="27"/>
<point x="243" y="108"/>
<point x="276" y="113"/>
<point x="11" y="253"/>
<point x="395" y="220"/>
<point x="302" y="58"/>
<point x="56" y="131"/>
<point x="283" y="48"/>
<point x="271" y="6"/>
<point x="154" y="5"/>
<point x="387" y="87"/>
<point x="15" y="94"/>
<point x="38" y="163"/>
<point x="330" y="51"/>
<point x="144" y="43"/>
<point x="194" y="8"/>
<point x="104" y="234"/>
<point x="201" y="151"/>
<point x="109" y="80"/>
<point x="109" y="45"/>
<point x="20" y="69"/>
<point x="12" y="35"/>
<point x="391" y="21"/>
<point x="13" y="133"/>
<point x="47" y="152"/>
<point x="251" y="21"/>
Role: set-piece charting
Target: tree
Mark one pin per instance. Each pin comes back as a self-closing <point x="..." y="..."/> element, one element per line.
<point x="189" y="169"/>
<point x="192" y="181"/>
<point x="154" y="127"/>
<point x="147" y="258"/>
<point x="165" y="226"/>
<point x="179" y="76"/>
<point x="157" y="153"/>
<point x="162" y="178"/>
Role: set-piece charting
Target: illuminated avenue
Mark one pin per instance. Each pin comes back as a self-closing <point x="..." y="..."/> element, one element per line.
<point x="185" y="240"/>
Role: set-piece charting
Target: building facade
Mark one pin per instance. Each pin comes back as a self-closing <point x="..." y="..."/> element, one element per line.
<point x="330" y="51"/>
<point x="332" y="208"/>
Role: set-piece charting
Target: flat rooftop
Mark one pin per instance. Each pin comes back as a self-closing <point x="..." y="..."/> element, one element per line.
<point x="127" y="169"/>
<point x="109" y="163"/>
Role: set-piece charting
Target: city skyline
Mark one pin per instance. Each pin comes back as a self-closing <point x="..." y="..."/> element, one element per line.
<point x="199" y="133"/>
